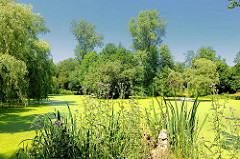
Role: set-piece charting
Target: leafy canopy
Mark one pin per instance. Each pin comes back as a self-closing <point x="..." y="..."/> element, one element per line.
<point x="202" y="74"/>
<point x="86" y="36"/>
<point x="19" y="44"/>
<point x="147" y="30"/>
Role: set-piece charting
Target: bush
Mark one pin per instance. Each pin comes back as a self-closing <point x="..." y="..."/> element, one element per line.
<point x="237" y="97"/>
<point x="65" y="92"/>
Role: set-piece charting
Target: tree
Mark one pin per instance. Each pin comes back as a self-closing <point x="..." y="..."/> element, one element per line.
<point x="166" y="59"/>
<point x="112" y="52"/>
<point x="12" y="79"/>
<point x="147" y="31"/>
<point x="189" y="57"/>
<point x="86" y="36"/>
<point x="234" y="78"/>
<point x="77" y="77"/>
<point x="237" y="58"/>
<point x="19" y="29"/>
<point x="65" y="68"/>
<point x="19" y="38"/>
<point x="233" y="4"/>
<point x="207" y="53"/>
<point x="202" y="74"/>
<point x="115" y="65"/>
<point x="40" y="74"/>
<point x="161" y="83"/>
<point x="103" y="80"/>
<point x="179" y="67"/>
<point x="175" y="81"/>
<point x="224" y="76"/>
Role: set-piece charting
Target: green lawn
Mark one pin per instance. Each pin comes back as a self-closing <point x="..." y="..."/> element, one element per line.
<point x="15" y="122"/>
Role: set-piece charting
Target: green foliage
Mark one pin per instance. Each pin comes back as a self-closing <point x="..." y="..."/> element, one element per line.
<point x="237" y="58"/>
<point x="19" y="29"/>
<point x="65" y="92"/>
<point x="224" y="77"/>
<point x="112" y="52"/>
<point x="19" y="38"/>
<point x="202" y="74"/>
<point x="233" y="4"/>
<point x="189" y="58"/>
<point x="179" y="67"/>
<point x="161" y="84"/>
<point x="100" y="131"/>
<point x="77" y="77"/>
<point x="148" y="70"/>
<point x="182" y="125"/>
<point x="115" y="65"/>
<point x="12" y="79"/>
<point x="207" y="53"/>
<point x="105" y="78"/>
<point x="235" y="78"/>
<point x="166" y="59"/>
<point x="175" y="81"/>
<point x="55" y="86"/>
<point x="147" y="31"/>
<point x="40" y="73"/>
<point x="86" y="36"/>
<point x="55" y="137"/>
<point x="65" y="68"/>
<point x="226" y="134"/>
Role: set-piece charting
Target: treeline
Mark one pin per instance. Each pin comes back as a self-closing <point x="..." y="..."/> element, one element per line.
<point x="147" y="69"/>
<point x="26" y="70"/>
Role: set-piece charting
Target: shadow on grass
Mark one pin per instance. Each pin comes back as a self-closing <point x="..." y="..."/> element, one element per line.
<point x="50" y="102"/>
<point x="14" y="156"/>
<point x="59" y="103"/>
<point x="15" y="120"/>
<point x="12" y="123"/>
<point x="11" y="120"/>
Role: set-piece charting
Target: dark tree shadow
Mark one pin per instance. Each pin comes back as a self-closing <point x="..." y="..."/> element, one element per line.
<point x="11" y="120"/>
<point x="12" y="123"/>
<point x="50" y="102"/>
<point x="14" y="156"/>
<point x="60" y="103"/>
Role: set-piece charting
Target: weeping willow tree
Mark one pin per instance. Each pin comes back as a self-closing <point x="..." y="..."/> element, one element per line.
<point x="25" y="64"/>
<point x="12" y="82"/>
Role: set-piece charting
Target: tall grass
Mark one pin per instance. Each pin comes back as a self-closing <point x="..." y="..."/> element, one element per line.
<point x="226" y="136"/>
<point x="55" y="137"/>
<point x="182" y="125"/>
<point x="103" y="129"/>
<point x="108" y="129"/>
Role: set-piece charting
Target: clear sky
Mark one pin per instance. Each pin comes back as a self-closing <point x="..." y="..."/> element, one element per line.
<point x="191" y="24"/>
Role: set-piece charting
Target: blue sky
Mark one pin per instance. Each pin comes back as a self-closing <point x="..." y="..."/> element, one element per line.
<point x="191" y="24"/>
